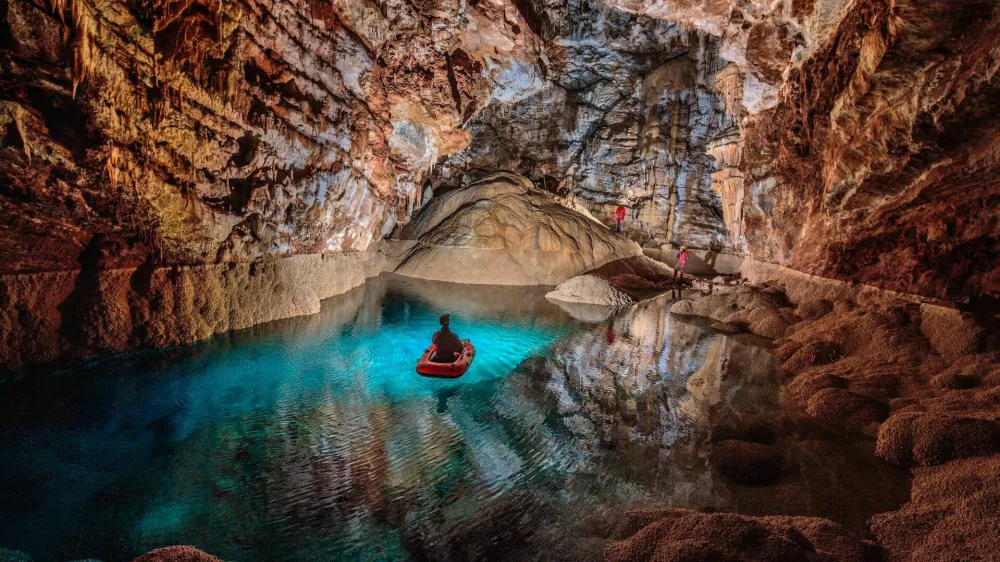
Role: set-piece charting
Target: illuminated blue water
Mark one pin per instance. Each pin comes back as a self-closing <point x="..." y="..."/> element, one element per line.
<point x="314" y="439"/>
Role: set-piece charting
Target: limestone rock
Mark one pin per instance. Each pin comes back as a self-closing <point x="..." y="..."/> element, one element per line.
<point x="110" y="311"/>
<point x="588" y="289"/>
<point x="503" y="231"/>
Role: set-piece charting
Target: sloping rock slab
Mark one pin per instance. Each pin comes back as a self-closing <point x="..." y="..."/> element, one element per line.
<point x="503" y="231"/>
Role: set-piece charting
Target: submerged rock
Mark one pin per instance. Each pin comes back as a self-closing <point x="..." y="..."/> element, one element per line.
<point x="7" y="555"/>
<point x="746" y="462"/>
<point x="176" y="554"/>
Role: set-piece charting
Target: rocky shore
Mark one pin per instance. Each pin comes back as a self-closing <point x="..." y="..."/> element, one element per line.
<point x="70" y="314"/>
<point x="920" y="378"/>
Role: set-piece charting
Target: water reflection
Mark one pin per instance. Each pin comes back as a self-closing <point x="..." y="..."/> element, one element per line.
<point x="313" y="439"/>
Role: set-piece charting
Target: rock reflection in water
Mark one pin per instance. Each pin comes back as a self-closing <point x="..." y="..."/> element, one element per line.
<point x="313" y="439"/>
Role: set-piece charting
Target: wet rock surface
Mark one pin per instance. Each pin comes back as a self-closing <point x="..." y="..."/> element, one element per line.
<point x="176" y="554"/>
<point x="892" y="370"/>
<point x="747" y="462"/>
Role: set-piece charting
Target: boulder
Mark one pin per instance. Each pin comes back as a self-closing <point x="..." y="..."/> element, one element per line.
<point x="814" y="308"/>
<point x="768" y="322"/>
<point x="503" y="231"/>
<point x="809" y="383"/>
<point x="815" y="353"/>
<point x="848" y="409"/>
<point x="948" y="331"/>
<point x="588" y="289"/>
<point x="716" y="307"/>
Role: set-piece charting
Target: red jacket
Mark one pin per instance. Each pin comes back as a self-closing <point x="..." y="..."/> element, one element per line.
<point x="620" y="213"/>
<point x="682" y="259"/>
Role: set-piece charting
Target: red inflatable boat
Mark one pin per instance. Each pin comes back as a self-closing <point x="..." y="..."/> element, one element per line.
<point x="429" y="368"/>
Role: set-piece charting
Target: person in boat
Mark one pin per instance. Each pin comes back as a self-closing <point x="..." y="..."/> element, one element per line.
<point x="449" y="345"/>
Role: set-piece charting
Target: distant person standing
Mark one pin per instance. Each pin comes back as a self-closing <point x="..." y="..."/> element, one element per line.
<point x="620" y="217"/>
<point x="682" y="260"/>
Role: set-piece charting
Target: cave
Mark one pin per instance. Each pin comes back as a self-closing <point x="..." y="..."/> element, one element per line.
<point x="573" y="280"/>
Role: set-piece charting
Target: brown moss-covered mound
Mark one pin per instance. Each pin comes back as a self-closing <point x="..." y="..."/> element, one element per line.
<point x="176" y="554"/>
<point x="677" y="535"/>
<point x="928" y="439"/>
<point x="848" y="409"/>
<point x="954" y="514"/>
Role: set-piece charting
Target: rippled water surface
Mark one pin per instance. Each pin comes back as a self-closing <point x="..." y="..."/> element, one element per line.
<point x="314" y="439"/>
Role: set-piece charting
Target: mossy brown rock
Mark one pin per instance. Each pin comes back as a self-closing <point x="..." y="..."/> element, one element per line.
<point x="928" y="438"/>
<point x="952" y="515"/>
<point x="848" y="409"/>
<point x="684" y="535"/>
<point x="176" y="554"/>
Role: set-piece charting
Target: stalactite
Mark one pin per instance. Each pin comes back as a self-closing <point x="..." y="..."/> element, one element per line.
<point x="113" y="166"/>
<point x="11" y="113"/>
<point x="84" y="51"/>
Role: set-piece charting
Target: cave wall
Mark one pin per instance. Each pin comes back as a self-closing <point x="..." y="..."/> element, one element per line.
<point x="206" y="131"/>
<point x="866" y="146"/>
<point x="625" y="114"/>
<point x="879" y="162"/>
<point x="58" y="315"/>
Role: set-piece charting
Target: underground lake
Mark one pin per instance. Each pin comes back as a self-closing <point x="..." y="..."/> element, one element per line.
<point x="314" y="439"/>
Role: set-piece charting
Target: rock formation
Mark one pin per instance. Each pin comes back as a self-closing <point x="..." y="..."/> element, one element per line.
<point x="617" y="284"/>
<point x="680" y="534"/>
<point x="625" y="114"/>
<point x="503" y="231"/>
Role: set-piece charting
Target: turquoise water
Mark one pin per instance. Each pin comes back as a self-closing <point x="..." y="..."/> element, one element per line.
<point x="314" y="439"/>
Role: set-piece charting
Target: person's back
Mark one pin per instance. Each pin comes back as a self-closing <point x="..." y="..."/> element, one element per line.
<point x="448" y="343"/>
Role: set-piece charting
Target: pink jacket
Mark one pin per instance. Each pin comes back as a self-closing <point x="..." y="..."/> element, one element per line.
<point x="682" y="259"/>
